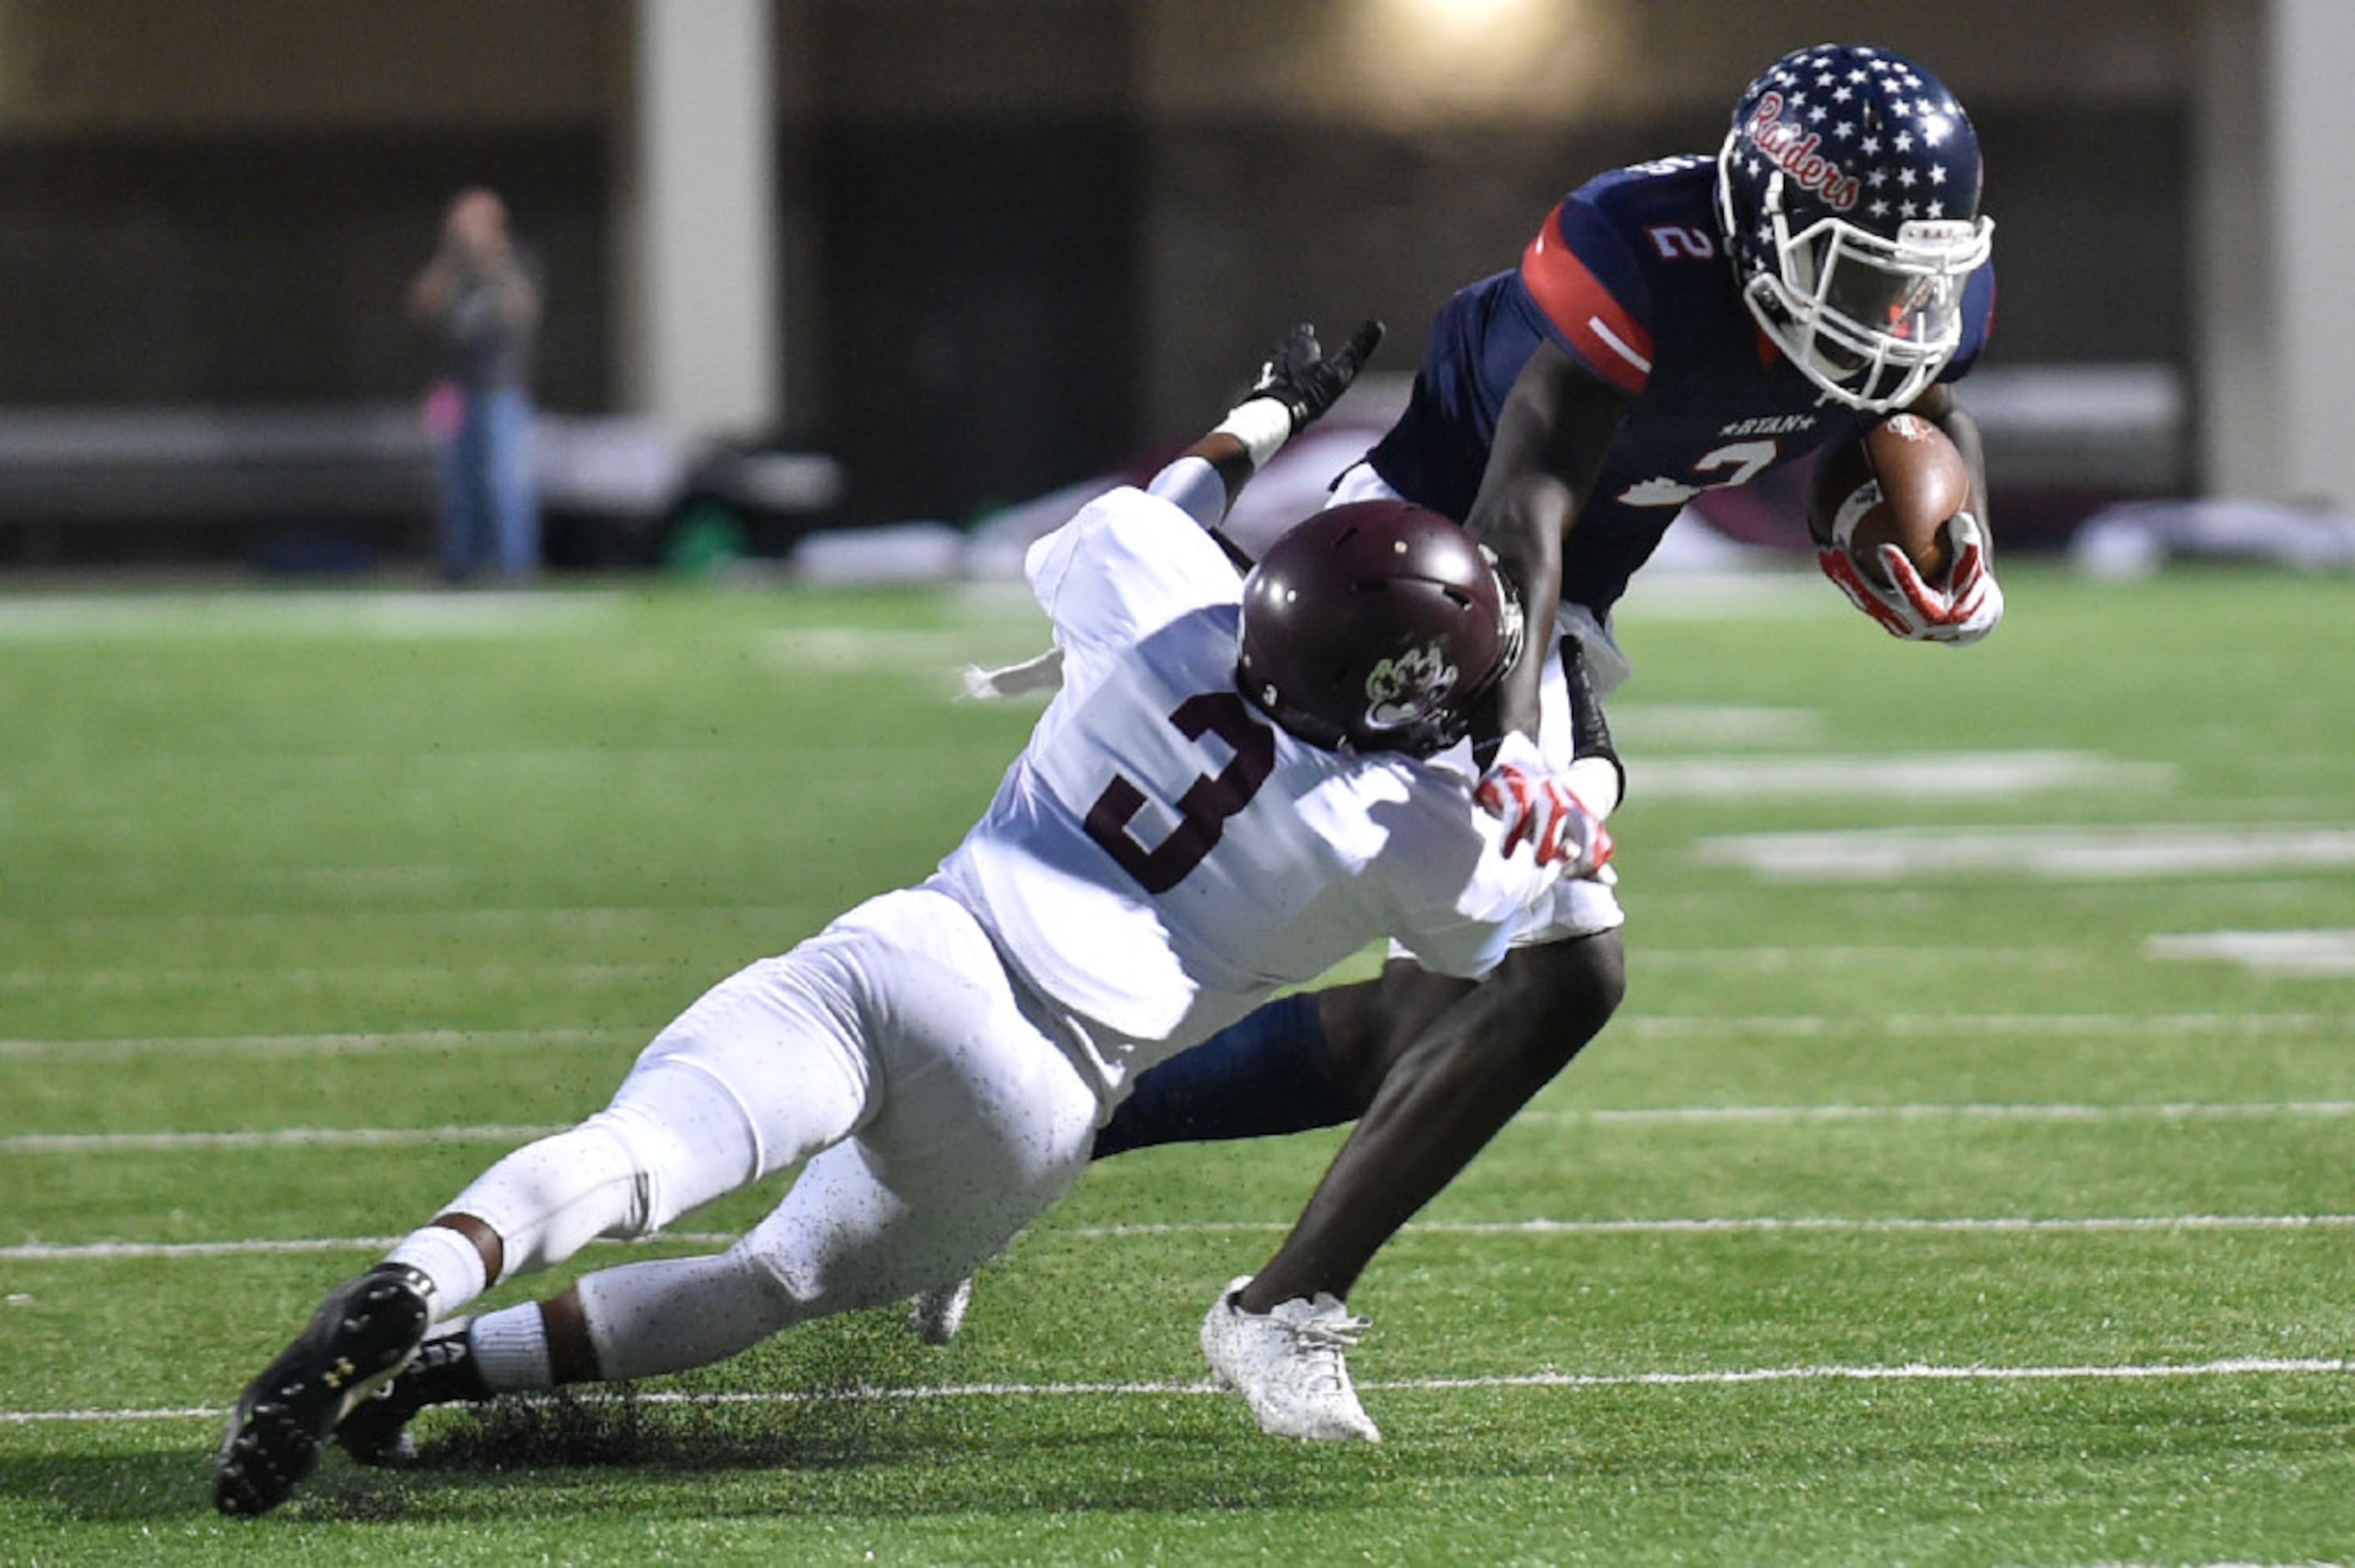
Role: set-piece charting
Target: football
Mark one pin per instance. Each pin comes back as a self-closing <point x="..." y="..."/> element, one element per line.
<point x="1896" y="484"/>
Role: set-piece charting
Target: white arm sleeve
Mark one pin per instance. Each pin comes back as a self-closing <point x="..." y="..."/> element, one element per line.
<point x="1194" y="487"/>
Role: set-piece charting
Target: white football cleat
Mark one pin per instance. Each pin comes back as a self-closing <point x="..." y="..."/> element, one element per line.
<point x="937" y="1314"/>
<point x="1288" y="1365"/>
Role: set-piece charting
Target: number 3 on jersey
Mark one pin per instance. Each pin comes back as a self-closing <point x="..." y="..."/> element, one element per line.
<point x="1205" y="806"/>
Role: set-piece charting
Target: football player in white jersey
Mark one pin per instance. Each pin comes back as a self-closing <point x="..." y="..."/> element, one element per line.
<point x="1242" y="782"/>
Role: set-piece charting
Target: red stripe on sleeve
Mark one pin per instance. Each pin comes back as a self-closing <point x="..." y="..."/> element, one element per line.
<point x="1613" y="342"/>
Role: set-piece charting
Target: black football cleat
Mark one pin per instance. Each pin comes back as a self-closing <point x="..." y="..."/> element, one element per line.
<point x="374" y="1430"/>
<point x="366" y="1328"/>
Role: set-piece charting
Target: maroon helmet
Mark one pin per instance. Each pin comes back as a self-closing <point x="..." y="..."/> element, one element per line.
<point x="1376" y="626"/>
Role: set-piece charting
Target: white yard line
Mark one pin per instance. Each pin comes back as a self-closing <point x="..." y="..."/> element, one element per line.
<point x="1945" y="955"/>
<point x="316" y="1044"/>
<point x="406" y="615"/>
<point x="1928" y="776"/>
<point x="2054" y="854"/>
<point x="1763" y="1224"/>
<point x="378" y="1138"/>
<point x="2315" y="954"/>
<point x="1986" y="1025"/>
<point x="1643" y="726"/>
<point x="402" y="977"/>
<point x="2173" y="1110"/>
<point x="941" y="652"/>
<point x="1767" y="1225"/>
<point x="2236" y="1366"/>
<point x="107" y="1252"/>
<point x="273" y="1138"/>
<point x="551" y="916"/>
<point x="2069" y="1025"/>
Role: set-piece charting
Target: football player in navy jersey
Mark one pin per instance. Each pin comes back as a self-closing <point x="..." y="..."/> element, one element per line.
<point x="1679" y="327"/>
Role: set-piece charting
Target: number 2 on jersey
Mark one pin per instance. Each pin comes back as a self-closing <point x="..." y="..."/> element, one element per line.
<point x="1206" y="805"/>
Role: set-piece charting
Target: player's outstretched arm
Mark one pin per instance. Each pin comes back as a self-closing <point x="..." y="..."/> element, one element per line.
<point x="1294" y="387"/>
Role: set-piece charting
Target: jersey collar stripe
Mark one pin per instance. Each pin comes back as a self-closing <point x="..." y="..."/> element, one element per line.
<point x="1592" y="323"/>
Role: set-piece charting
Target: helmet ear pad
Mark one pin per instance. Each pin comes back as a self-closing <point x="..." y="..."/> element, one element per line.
<point x="1374" y="626"/>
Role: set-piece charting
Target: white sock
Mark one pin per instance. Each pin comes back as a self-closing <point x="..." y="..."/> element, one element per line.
<point x="510" y="1347"/>
<point x="449" y="1260"/>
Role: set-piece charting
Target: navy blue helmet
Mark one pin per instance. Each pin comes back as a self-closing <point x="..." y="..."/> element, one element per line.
<point x="1848" y="191"/>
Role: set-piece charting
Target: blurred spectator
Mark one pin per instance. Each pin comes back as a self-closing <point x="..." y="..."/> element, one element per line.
<point x="480" y="297"/>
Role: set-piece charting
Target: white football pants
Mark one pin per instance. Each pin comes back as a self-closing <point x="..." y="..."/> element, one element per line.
<point x="895" y="1055"/>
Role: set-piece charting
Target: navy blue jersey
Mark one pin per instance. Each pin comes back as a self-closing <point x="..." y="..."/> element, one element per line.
<point x="1629" y="279"/>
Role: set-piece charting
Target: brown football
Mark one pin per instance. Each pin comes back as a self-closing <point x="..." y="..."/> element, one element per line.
<point x="1899" y="483"/>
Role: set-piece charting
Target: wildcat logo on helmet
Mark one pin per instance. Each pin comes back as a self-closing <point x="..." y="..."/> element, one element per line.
<point x="1793" y="149"/>
<point x="1404" y="689"/>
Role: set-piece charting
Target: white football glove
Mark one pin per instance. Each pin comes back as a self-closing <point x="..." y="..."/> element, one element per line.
<point x="1538" y="807"/>
<point x="1965" y="609"/>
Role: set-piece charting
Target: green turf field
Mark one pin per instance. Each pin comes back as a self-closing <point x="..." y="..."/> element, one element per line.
<point x="1970" y="1178"/>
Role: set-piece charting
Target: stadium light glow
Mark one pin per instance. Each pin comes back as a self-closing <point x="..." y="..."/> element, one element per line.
<point x="1444" y="59"/>
<point x="1469" y="20"/>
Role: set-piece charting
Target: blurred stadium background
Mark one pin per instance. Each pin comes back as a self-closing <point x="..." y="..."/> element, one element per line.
<point x="831" y="264"/>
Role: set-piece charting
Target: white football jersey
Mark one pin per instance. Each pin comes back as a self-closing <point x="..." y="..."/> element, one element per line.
<point x="1162" y="857"/>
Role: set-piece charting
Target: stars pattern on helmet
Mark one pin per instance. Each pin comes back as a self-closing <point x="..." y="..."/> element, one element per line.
<point x="1896" y="128"/>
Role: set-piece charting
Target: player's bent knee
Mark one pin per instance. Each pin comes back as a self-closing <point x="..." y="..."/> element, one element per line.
<point x="1588" y="979"/>
<point x="551" y="1198"/>
<point x="688" y="1137"/>
<point x="1563" y="993"/>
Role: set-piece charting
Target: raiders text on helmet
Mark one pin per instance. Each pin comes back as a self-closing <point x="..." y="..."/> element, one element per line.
<point x="1848" y="190"/>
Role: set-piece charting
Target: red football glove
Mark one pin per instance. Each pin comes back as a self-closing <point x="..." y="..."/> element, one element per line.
<point x="1538" y="807"/>
<point x="1965" y="609"/>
